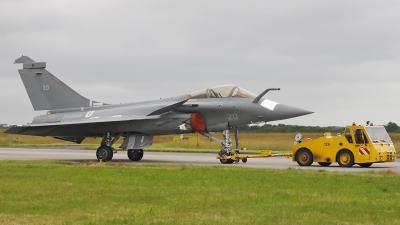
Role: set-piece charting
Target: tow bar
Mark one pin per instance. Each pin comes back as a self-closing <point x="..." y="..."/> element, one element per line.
<point x="236" y="157"/>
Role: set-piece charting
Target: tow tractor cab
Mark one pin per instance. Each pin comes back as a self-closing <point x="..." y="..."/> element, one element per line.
<point x="362" y="145"/>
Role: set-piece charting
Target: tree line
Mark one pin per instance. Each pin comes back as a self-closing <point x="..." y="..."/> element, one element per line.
<point x="282" y="128"/>
<point x="391" y="127"/>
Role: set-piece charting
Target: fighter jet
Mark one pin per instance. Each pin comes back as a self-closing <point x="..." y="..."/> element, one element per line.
<point x="72" y="117"/>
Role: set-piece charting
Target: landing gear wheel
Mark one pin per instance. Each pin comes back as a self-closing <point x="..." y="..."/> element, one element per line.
<point x="365" y="164"/>
<point x="135" y="154"/>
<point x="105" y="153"/>
<point x="225" y="161"/>
<point x="345" y="158"/>
<point x="324" y="163"/>
<point x="244" y="160"/>
<point x="304" y="157"/>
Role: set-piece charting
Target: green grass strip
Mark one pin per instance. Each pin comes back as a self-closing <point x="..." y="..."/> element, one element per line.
<point x="37" y="192"/>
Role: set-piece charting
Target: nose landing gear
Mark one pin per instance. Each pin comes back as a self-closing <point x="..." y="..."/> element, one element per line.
<point x="227" y="155"/>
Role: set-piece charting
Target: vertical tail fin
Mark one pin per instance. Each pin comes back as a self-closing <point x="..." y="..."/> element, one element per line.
<point x="46" y="91"/>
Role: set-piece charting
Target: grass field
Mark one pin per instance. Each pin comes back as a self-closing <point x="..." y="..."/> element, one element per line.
<point x="34" y="192"/>
<point x="37" y="192"/>
<point x="254" y="142"/>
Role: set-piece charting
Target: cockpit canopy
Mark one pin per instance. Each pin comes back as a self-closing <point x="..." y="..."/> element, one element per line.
<point x="223" y="91"/>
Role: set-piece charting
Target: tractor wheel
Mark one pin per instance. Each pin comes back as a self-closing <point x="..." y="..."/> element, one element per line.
<point x="304" y="157"/>
<point x="345" y="158"/>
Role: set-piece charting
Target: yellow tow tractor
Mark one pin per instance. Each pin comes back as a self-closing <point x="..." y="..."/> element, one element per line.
<point x="362" y="145"/>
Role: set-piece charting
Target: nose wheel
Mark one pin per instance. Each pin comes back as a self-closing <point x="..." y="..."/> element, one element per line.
<point x="223" y="157"/>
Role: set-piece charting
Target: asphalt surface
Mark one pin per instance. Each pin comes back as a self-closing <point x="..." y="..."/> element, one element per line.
<point x="206" y="159"/>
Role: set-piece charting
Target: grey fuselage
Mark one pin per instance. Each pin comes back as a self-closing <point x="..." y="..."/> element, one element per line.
<point x="132" y="118"/>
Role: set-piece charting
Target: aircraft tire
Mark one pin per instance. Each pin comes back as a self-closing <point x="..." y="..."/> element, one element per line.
<point x="226" y="161"/>
<point x="345" y="158"/>
<point x="365" y="164"/>
<point x="304" y="157"/>
<point x="105" y="153"/>
<point x="324" y="163"/>
<point x="135" y="154"/>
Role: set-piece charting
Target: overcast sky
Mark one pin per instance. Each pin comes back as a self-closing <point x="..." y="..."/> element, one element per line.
<point x="339" y="59"/>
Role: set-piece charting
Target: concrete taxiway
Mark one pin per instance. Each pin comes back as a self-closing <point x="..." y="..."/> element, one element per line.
<point x="207" y="159"/>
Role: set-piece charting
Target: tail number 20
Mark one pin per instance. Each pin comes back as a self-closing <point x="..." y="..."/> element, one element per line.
<point x="232" y="116"/>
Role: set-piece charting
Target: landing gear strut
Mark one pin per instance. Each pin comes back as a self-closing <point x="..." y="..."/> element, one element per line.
<point x="226" y="152"/>
<point x="105" y="152"/>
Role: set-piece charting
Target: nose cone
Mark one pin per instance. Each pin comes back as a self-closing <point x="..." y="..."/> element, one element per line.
<point x="282" y="111"/>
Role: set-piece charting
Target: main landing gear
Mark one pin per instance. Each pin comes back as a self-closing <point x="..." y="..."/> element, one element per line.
<point x="135" y="154"/>
<point x="226" y="153"/>
<point x="106" y="152"/>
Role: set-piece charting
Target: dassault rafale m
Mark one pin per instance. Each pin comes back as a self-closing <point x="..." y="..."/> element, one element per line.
<point x="72" y="117"/>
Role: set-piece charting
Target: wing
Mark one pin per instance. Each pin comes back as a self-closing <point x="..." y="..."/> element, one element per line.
<point x="154" y="114"/>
